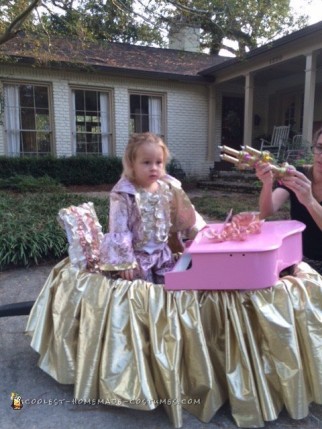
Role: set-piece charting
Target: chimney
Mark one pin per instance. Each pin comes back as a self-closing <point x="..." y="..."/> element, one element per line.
<point x="184" y="37"/>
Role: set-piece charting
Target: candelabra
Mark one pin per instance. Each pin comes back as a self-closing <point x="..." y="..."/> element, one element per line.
<point x="249" y="157"/>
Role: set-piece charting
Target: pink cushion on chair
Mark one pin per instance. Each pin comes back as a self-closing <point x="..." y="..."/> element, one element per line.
<point x="84" y="235"/>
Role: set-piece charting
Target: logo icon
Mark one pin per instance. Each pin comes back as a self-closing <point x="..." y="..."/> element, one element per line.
<point x="16" y="401"/>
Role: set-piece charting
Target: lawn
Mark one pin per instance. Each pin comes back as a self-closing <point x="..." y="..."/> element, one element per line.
<point x="214" y="205"/>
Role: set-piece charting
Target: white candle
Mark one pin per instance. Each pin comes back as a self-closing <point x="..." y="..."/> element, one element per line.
<point x="251" y="150"/>
<point x="228" y="158"/>
<point x="229" y="150"/>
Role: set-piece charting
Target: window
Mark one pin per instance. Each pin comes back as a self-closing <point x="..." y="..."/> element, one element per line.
<point x="92" y="135"/>
<point x="28" y="120"/>
<point x="146" y="113"/>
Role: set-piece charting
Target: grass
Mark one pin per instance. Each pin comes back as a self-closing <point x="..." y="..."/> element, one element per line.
<point x="214" y="206"/>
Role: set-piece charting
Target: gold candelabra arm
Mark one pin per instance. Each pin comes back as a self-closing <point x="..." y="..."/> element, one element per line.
<point x="248" y="157"/>
<point x="264" y="155"/>
<point x="280" y="171"/>
<point x="241" y="158"/>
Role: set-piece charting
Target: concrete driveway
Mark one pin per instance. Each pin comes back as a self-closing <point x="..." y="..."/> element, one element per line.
<point x="51" y="404"/>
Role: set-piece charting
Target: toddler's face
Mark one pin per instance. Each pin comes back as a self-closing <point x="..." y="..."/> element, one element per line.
<point x="148" y="165"/>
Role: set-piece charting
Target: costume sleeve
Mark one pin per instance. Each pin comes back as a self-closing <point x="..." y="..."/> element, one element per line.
<point x="116" y="253"/>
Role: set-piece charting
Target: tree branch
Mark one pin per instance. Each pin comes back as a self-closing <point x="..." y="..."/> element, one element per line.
<point x="188" y="9"/>
<point x="15" y="26"/>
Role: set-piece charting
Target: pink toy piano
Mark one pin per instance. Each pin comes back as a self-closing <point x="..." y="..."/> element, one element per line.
<point x="251" y="264"/>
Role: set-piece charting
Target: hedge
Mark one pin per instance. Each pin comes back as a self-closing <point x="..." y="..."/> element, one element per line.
<point x="75" y="170"/>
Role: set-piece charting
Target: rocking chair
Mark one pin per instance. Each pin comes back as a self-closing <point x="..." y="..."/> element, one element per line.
<point x="277" y="144"/>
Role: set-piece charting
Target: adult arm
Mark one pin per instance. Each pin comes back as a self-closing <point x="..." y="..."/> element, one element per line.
<point x="302" y="187"/>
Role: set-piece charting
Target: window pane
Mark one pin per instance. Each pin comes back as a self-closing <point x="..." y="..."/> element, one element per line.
<point x="26" y="96"/>
<point x="81" y="138"/>
<point x="134" y="103"/>
<point x="92" y="102"/>
<point x="42" y="122"/>
<point x="135" y="113"/>
<point x="145" y="124"/>
<point x="79" y="100"/>
<point x="41" y="97"/>
<point x="145" y="104"/>
<point x="80" y="123"/>
<point x="27" y="119"/>
<point x="28" y="142"/>
<point x="43" y="142"/>
<point x="94" y="147"/>
<point x="81" y="147"/>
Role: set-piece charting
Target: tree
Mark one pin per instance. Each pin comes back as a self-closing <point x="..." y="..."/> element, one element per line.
<point x="15" y="15"/>
<point x="248" y="23"/>
<point x="105" y="20"/>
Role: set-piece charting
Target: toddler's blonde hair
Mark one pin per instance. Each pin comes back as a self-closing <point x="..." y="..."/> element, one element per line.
<point x="136" y="140"/>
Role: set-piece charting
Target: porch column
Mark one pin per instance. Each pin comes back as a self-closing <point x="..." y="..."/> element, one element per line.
<point x="211" y="124"/>
<point x="248" y="109"/>
<point x="309" y="93"/>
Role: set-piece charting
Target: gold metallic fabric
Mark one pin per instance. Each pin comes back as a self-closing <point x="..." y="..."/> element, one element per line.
<point x="134" y="344"/>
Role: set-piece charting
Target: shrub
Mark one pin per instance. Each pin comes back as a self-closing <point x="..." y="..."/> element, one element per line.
<point x="74" y="170"/>
<point x="29" y="231"/>
<point x="175" y="169"/>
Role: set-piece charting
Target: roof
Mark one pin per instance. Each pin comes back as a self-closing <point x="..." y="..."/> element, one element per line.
<point x="121" y="58"/>
<point x="132" y="60"/>
<point x="292" y="37"/>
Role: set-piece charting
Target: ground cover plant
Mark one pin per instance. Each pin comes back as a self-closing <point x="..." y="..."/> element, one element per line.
<point x="29" y="231"/>
<point x="23" y="183"/>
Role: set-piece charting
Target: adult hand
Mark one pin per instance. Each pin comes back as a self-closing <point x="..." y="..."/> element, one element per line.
<point x="300" y="185"/>
<point x="264" y="173"/>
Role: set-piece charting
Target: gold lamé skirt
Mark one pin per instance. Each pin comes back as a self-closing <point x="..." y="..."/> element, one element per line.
<point x="136" y="345"/>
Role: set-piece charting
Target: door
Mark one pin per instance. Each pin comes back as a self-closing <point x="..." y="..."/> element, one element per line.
<point x="232" y="122"/>
<point x="292" y="111"/>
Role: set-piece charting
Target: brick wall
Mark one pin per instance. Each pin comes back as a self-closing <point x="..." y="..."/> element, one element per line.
<point x="62" y="121"/>
<point x="186" y="112"/>
<point x="188" y="127"/>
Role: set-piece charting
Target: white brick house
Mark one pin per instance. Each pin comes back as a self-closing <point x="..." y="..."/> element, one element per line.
<point x="70" y="99"/>
<point x="94" y="111"/>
